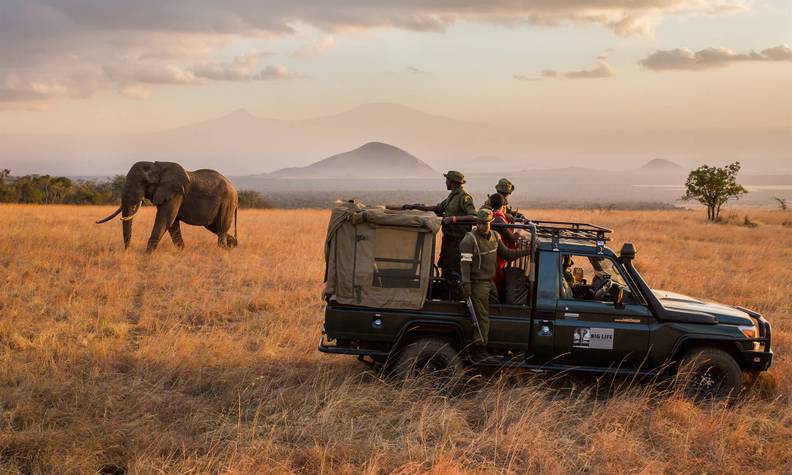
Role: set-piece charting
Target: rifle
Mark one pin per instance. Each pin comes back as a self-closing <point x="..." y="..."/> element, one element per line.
<point x="472" y="312"/>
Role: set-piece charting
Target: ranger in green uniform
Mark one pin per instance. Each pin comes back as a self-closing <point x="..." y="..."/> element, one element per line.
<point x="504" y="188"/>
<point x="458" y="203"/>
<point x="480" y="250"/>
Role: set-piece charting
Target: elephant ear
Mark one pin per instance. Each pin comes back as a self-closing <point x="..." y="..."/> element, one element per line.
<point x="173" y="181"/>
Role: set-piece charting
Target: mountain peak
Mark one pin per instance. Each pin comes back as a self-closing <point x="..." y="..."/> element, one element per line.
<point x="241" y="113"/>
<point x="660" y="165"/>
<point x="378" y="147"/>
<point x="371" y="160"/>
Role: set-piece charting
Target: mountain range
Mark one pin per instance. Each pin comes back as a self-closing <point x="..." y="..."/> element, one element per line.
<point x="240" y="143"/>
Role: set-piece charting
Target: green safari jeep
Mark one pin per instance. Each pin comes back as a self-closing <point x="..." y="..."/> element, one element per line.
<point x="572" y="305"/>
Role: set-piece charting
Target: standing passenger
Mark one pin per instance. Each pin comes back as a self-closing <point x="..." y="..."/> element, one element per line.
<point x="504" y="188"/>
<point x="480" y="250"/>
<point x="458" y="203"/>
<point x="497" y="202"/>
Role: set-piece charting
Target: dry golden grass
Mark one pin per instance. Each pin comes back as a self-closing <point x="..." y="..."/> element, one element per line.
<point x="205" y="361"/>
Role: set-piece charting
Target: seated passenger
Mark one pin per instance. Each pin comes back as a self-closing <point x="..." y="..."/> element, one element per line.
<point x="567" y="266"/>
<point x="577" y="274"/>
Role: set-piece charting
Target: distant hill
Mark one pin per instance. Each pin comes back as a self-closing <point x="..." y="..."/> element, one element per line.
<point x="372" y="160"/>
<point x="661" y="165"/>
<point x="241" y="143"/>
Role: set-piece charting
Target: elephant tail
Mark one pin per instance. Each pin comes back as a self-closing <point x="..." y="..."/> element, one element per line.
<point x="235" y="221"/>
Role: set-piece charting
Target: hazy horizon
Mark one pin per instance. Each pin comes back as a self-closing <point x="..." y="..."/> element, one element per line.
<point x="89" y="89"/>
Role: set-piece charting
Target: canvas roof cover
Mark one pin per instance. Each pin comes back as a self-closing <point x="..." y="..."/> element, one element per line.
<point x="376" y="257"/>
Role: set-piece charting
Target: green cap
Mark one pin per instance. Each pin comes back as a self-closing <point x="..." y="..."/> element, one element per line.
<point x="484" y="215"/>
<point x="504" y="186"/>
<point x="455" y="176"/>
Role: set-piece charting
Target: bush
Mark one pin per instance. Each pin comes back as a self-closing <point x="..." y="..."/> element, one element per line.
<point x="252" y="199"/>
<point x="45" y="189"/>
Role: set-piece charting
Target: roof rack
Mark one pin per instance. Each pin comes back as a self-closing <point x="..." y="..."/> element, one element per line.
<point x="557" y="230"/>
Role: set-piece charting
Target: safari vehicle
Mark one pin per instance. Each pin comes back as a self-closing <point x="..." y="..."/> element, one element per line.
<point x="386" y="303"/>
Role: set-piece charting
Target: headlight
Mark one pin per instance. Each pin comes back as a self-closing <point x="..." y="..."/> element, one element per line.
<point x="749" y="331"/>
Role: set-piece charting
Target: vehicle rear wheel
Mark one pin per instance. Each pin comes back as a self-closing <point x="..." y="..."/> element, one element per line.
<point x="710" y="373"/>
<point x="432" y="359"/>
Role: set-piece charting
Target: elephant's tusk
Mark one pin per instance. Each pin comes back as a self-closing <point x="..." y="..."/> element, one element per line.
<point x="129" y="218"/>
<point x="109" y="217"/>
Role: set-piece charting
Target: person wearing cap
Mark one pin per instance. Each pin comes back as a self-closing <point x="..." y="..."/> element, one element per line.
<point x="504" y="188"/>
<point x="458" y="203"/>
<point x="480" y="250"/>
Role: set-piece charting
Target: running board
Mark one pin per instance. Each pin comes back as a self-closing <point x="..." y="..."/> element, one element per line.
<point x="560" y="368"/>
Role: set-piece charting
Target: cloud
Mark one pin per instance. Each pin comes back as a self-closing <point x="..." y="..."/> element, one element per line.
<point x="778" y="53"/>
<point x="522" y="77"/>
<point x="150" y="42"/>
<point x="133" y="79"/>
<point x="16" y="88"/>
<point x="148" y="73"/>
<point x="316" y="47"/>
<point x="601" y="70"/>
<point x="685" y="59"/>
<point x="273" y="72"/>
<point x="280" y="16"/>
<point x="242" y="68"/>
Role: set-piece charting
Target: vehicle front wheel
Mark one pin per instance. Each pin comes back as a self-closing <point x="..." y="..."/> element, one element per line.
<point x="710" y="373"/>
<point x="432" y="359"/>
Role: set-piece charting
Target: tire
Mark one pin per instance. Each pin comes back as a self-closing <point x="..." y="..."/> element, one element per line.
<point x="432" y="360"/>
<point x="710" y="373"/>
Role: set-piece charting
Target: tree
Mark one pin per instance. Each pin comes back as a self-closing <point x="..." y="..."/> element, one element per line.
<point x="782" y="203"/>
<point x="117" y="188"/>
<point x="7" y="194"/>
<point x="713" y="187"/>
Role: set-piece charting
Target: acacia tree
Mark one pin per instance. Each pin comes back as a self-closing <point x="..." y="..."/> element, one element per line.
<point x="713" y="187"/>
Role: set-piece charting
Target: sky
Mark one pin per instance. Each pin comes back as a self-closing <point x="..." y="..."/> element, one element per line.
<point x="135" y="66"/>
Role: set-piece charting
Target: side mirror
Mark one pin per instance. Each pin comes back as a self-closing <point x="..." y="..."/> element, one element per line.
<point x="627" y="252"/>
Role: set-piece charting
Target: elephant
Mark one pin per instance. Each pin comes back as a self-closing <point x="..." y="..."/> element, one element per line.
<point x="201" y="198"/>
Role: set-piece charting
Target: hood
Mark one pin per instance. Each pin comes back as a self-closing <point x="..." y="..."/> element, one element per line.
<point x="683" y="303"/>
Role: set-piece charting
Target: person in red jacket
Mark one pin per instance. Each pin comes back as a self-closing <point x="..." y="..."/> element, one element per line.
<point x="498" y="204"/>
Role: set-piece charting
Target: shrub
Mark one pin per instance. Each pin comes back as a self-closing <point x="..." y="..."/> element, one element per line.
<point x="252" y="199"/>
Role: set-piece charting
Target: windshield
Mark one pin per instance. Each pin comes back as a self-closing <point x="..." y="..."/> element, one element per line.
<point x="607" y="266"/>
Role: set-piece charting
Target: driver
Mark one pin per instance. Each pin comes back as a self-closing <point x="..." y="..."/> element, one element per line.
<point x="567" y="266"/>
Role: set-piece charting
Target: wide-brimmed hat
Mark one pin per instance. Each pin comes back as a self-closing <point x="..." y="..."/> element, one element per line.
<point x="455" y="176"/>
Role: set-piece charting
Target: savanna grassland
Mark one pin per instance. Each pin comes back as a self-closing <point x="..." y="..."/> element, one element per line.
<point x="205" y="361"/>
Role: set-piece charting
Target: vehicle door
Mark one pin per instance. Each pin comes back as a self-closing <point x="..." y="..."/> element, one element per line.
<point x="590" y="328"/>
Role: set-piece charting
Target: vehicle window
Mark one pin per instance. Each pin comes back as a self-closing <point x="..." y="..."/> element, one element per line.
<point x="397" y="258"/>
<point x="590" y="278"/>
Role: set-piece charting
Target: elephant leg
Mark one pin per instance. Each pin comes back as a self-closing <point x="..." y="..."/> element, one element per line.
<point x="175" y="234"/>
<point x="223" y="226"/>
<point x="166" y="215"/>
